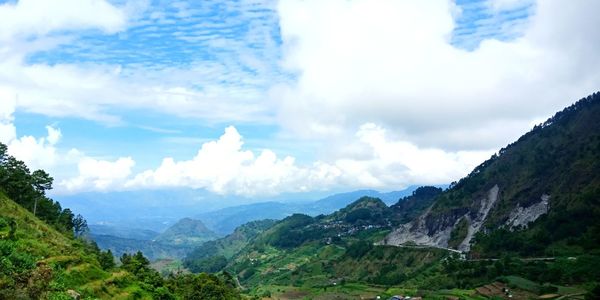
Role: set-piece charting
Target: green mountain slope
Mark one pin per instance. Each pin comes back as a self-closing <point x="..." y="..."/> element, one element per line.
<point x="543" y="189"/>
<point x="44" y="255"/>
<point x="213" y="255"/>
<point x="38" y="262"/>
<point x="411" y="206"/>
<point x="304" y="251"/>
<point x="284" y="245"/>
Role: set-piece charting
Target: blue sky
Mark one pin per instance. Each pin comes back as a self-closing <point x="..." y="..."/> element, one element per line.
<point x="295" y="96"/>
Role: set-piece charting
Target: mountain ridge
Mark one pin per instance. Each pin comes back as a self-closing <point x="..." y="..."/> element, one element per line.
<point x="539" y="176"/>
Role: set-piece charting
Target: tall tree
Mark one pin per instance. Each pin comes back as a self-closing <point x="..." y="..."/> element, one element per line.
<point x="80" y="226"/>
<point x="41" y="182"/>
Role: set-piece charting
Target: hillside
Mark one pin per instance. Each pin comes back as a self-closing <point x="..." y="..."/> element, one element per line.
<point x="544" y="189"/>
<point x="52" y="258"/>
<point x="213" y="255"/>
<point x="39" y="262"/>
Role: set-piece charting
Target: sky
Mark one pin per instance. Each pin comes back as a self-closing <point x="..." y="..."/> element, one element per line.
<point x="258" y="98"/>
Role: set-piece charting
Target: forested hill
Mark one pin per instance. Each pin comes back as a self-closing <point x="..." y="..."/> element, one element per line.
<point x="28" y="189"/>
<point x="538" y="196"/>
<point x="43" y="254"/>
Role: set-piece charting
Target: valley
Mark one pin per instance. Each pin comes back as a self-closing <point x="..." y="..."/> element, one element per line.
<point x="299" y="150"/>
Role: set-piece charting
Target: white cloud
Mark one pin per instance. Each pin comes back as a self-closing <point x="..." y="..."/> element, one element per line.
<point x="224" y="167"/>
<point x="426" y="111"/>
<point x="40" y="17"/>
<point x="100" y="175"/>
<point x="37" y="153"/>
<point x="397" y="162"/>
<point x="226" y="89"/>
<point x="42" y="153"/>
<point x="392" y="62"/>
<point x="8" y="132"/>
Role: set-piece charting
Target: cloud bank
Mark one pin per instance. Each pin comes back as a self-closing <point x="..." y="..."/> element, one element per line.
<point x="379" y="85"/>
<point x="392" y="62"/>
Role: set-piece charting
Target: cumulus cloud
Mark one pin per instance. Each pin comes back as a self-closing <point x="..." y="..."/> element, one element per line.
<point x="43" y="153"/>
<point x="225" y="167"/>
<point x="40" y="17"/>
<point x="392" y="62"/>
<point x="99" y="175"/>
<point x="395" y="162"/>
<point x="37" y="153"/>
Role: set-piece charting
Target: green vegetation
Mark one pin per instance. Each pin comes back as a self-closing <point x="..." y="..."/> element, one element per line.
<point x="39" y="261"/>
<point x="459" y="233"/>
<point x="212" y="256"/>
<point x="364" y="211"/>
<point x="412" y="206"/>
<point x="28" y="189"/>
<point x="559" y="158"/>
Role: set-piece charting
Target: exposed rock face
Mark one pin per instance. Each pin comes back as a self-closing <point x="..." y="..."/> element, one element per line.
<point x="437" y="233"/>
<point x="522" y="216"/>
<point x="475" y="224"/>
<point x="418" y="233"/>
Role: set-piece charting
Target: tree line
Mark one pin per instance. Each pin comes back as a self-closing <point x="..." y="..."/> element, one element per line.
<point x="29" y="189"/>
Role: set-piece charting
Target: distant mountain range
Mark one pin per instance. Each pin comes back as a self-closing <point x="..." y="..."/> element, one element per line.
<point x="224" y="221"/>
<point x="178" y="239"/>
<point x="158" y="209"/>
<point x="124" y="232"/>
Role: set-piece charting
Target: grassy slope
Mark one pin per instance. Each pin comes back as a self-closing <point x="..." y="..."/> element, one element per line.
<point x="72" y="267"/>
